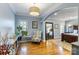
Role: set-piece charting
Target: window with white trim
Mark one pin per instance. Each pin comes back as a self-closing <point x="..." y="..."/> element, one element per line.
<point x="24" y="25"/>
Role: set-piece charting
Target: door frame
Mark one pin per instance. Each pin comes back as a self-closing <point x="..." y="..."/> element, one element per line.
<point x="52" y="29"/>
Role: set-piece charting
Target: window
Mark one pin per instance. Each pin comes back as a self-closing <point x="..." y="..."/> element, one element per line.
<point x="24" y="25"/>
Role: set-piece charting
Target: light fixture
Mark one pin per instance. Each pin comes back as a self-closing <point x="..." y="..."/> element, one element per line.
<point x="55" y="14"/>
<point x="34" y="11"/>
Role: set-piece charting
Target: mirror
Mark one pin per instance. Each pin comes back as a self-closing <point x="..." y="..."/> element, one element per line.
<point x="67" y="19"/>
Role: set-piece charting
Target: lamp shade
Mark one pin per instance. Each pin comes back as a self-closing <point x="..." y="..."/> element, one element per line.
<point x="34" y="11"/>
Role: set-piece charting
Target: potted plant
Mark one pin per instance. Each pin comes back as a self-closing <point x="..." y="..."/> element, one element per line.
<point x="19" y="29"/>
<point x="24" y="33"/>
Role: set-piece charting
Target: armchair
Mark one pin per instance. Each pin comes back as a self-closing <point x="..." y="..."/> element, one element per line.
<point x="36" y="37"/>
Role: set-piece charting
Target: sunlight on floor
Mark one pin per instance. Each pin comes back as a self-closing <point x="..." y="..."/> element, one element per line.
<point x="50" y="47"/>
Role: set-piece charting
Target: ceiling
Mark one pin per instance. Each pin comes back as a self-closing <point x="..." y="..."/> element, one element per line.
<point x="65" y="11"/>
<point x="23" y="8"/>
<point x="65" y="14"/>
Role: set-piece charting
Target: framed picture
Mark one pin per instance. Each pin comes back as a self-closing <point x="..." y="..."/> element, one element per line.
<point x="35" y="24"/>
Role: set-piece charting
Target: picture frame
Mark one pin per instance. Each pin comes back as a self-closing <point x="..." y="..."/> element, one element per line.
<point x="34" y="24"/>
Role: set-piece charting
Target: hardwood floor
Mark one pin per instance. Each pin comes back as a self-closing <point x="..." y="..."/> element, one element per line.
<point x="50" y="47"/>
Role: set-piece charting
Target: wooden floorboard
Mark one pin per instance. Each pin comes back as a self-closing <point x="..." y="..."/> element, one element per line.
<point x="50" y="47"/>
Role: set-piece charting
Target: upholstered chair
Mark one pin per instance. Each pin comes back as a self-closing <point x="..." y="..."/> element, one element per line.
<point x="37" y="36"/>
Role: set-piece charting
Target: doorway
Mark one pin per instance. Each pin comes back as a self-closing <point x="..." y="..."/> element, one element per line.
<point x="49" y="32"/>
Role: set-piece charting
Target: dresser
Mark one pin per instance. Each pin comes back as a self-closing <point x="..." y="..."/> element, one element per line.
<point x="69" y="37"/>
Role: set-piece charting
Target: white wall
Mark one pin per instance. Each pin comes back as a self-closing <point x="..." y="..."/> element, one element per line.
<point x="7" y="19"/>
<point x="57" y="33"/>
<point x="70" y="23"/>
<point x="61" y="26"/>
